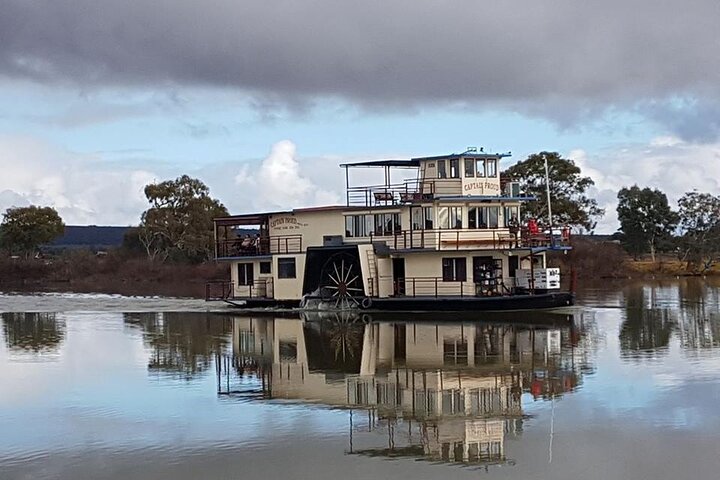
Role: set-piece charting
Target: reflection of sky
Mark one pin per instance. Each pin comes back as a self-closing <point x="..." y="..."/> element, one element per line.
<point x="99" y="392"/>
<point x="632" y="418"/>
<point x="673" y="390"/>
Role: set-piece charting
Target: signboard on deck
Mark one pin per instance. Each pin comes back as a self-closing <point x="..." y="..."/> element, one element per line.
<point x="286" y="224"/>
<point x="481" y="186"/>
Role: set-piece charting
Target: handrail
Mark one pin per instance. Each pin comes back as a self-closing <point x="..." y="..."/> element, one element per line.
<point x="431" y="287"/>
<point x="465" y="239"/>
<point x="249" y="246"/>
<point x="260" y="288"/>
<point x="218" y="290"/>
<point x="405" y="192"/>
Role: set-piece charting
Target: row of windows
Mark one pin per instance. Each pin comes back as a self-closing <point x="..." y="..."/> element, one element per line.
<point x="478" y="217"/>
<point x="472" y="167"/>
<point x="366" y="225"/>
<point x="422" y="219"/>
<point x="454" y="269"/>
<point x="286" y="269"/>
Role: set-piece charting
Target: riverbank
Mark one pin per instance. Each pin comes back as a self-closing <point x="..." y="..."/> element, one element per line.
<point x="592" y="259"/>
<point x="114" y="273"/>
<point x="122" y="273"/>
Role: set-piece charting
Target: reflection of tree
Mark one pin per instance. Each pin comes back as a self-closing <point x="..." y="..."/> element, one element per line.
<point x="182" y="344"/>
<point x="646" y="330"/>
<point x="33" y="332"/>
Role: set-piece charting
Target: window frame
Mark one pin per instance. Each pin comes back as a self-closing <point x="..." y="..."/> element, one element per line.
<point x="493" y="162"/>
<point x="284" y="262"/>
<point x="247" y="279"/>
<point x="478" y="213"/>
<point x="454" y="215"/>
<point x="441" y="172"/>
<point x="454" y="168"/>
<point x="454" y="269"/>
<point x="480" y="171"/>
<point x="469" y="172"/>
<point x="266" y="268"/>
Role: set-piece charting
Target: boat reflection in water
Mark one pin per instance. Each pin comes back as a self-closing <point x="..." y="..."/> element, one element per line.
<point x="425" y="388"/>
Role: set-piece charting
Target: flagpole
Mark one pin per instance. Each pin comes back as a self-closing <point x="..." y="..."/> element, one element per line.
<point x="547" y="188"/>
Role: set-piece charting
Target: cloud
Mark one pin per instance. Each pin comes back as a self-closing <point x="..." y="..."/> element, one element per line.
<point x="83" y="188"/>
<point x="90" y="189"/>
<point x="666" y="163"/>
<point x="278" y="181"/>
<point x="560" y="59"/>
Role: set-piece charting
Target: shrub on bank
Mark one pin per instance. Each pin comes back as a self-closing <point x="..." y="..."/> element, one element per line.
<point x="113" y="272"/>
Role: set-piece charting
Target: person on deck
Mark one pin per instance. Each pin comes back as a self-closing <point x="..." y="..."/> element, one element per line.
<point x="533" y="228"/>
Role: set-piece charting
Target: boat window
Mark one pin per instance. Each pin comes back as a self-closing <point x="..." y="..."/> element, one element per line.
<point x="492" y="216"/>
<point x="417" y="219"/>
<point x="428" y="218"/>
<point x="512" y="216"/>
<point x="359" y="225"/>
<point x="443" y="217"/>
<point x="454" y="269"/>
<point x="483" y="217"/>
<point x="265" y="267"/>
<point x="450" y="217"/>
<point x="480" y="167"/>
<point x="442" y="172"/>
<point x="491" y="167"/>
<point x="286" y="267"/>
<point x="422" y="218"/>
<point x="245" y="273"/>
<point x="454" y="168"/>
<point x="469" y="167"/>
<point x="387" y="224"/>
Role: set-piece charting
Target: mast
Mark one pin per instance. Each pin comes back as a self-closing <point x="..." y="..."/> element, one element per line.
<point x="547" y="189"/>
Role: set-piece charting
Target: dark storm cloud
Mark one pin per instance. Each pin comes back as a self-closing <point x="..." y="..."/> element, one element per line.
<point x="566" y="55"/>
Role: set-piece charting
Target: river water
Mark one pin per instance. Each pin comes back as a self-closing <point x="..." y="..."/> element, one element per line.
<point x="626" y="386"/>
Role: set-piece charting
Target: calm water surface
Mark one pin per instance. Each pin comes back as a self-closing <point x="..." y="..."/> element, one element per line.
<point x="627" y="387"/>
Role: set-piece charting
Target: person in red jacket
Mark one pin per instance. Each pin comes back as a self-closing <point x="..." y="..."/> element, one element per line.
<point x="533" y="228"/>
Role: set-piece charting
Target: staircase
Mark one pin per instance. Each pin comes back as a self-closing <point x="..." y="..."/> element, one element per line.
<point x="373" y="287"/>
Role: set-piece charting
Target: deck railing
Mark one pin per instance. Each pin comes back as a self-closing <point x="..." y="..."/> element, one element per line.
<point x="224" y="290"/>
<point x="465" y="239"/>
<point x="405" y="192"/>
<point x="260" y="288"/>
<point x="255" y="246"/>
<point x="218" y="290"/>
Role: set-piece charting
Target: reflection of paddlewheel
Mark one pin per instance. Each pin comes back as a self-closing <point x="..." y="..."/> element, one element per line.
<point x="340" y="281"/>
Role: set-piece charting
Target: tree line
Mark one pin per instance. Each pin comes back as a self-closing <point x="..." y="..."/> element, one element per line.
<point x="178" y="223"/>
<point x="649" y="225"/>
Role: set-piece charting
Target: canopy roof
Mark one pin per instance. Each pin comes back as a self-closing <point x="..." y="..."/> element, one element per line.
<point x="415" y="162"/>
<point x="412" y="163"/>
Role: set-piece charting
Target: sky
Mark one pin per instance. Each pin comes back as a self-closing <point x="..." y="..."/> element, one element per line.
<point x="263" y="100"/>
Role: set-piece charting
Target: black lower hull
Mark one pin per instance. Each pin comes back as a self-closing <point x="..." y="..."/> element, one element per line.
<point x="446" y="304"/>
<point x="475" y="304"/>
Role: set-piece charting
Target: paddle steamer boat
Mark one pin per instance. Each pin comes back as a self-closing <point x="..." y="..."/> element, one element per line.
<point x="448" y="238"/>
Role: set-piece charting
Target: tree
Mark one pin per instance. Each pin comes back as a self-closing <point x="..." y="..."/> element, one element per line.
<point x="700" y="221"/>
<point x="179" y="222"/>
<point x="646" y="220"/>
<point x="568" y="190"/>
<point x="24" y="229"/>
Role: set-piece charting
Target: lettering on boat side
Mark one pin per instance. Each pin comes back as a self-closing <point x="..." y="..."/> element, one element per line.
<point x="286" y="223"/>
<point x="481" y="187"/>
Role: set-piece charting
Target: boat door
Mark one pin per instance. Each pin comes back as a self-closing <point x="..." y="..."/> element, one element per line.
<point x="245" y="274"/>
<point x="487" y="274"/>
<point x="398" y="276"/>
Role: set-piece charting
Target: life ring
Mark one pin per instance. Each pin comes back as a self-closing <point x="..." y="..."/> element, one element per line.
<point x="366" y="303"/>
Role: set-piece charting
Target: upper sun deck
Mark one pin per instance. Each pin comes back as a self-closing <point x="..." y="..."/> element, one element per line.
<point x="471" y="173"/>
